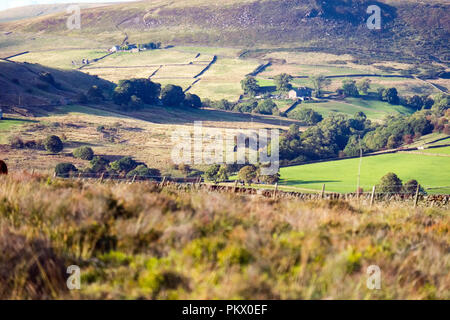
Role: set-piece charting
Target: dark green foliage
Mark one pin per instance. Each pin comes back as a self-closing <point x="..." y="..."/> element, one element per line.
<point x="211" y="174"/>
<point x="144" y="172"/>
<point x="250" y="86"/>
<point x="172" y="95"/>
<point x="84" y="153"/>
<point x="391" y="95"/>
<point x="99" y="164"/>
<point x="248" y="174"/>
<point x="283" y="82"/>
<point x="143" y="89"/>
<point x="441" y="103"/>
<point x="364" y="86"/>
<point x="124" y="165"/>
<point x="309" y="116"/>
<point x="53" y="144"/>
<point x="350" y="89"/>
<point x="192" y="101"/>
<point x="266" y="107"/>
<point x="390" y="183"/>
<point x="220" y="105"/>
<point x="65" y="169"/>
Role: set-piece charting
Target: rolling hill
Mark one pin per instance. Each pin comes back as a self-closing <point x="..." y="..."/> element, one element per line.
<point x="39" y="10"/>
<point x="410" y="30"/>
<point x="31" y="85"/>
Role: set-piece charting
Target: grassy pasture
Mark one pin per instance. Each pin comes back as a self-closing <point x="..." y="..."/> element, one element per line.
<point x="61" y="59"/>
<point x="341" y="176"/>
<point x="374" y="109"/>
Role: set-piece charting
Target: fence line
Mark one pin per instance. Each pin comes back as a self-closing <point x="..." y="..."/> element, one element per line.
<point x="197" y="183"/>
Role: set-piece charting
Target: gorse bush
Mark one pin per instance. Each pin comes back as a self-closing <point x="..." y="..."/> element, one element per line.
<point x="84" y="153"/>
<point x="53" y="144"/>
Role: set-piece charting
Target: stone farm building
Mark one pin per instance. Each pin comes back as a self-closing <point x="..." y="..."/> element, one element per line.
<point x="302" y="93"/>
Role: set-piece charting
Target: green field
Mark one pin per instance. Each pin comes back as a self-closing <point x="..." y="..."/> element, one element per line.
<point x="6" y="125"/>
<point x="443" y="150"/>
<point x="341" y="176"/>
<point x="374" y="109"/>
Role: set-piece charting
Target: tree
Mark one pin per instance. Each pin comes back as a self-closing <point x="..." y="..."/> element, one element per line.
<point x="99" y="164"/>
<point x="65" y="169"/>
<point x="349" y="88"/>
<point x="144" y="172"/>
<point x="319" y="82"/>
<point x="309" y="116"/>
<point x="441" y="103"/>
<point x="250" y="86"/>
<point x="282" y="81"/>
<point x="266" y="107"/>
<point x="415" y="102"/>
<point x="172" y="95"/>
<point x="84" y="153"/>
<point x="410" y="187"/>
<point x="212" y="172"/>
<point x="222" y="174"/>
<point x="192" y="101"/>
<point x="125" y="164"/>
<point x="247" y="174"/>
<point x="53" y="144"/>
<point x="364" y="85"/>
<point x="391" y="95"/>
<point x="144" y="89"/>
<point x="390" y="183"/>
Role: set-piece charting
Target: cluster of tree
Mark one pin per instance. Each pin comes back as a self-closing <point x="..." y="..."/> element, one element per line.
<point x="150" y="45"/>
<point x="252" y="174"/>
<point x="133" y="93"/>
<point x="245" y="173"/>
<point x="338" y="135"/>
<point x="266" y="106"/>
<point x="308" y="116"/>
<point x="391" y="183"/>
<point x="126" y="167"/>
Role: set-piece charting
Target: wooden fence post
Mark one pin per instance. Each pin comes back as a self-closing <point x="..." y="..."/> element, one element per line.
<point x="163" y="181"/>
<point x="372" y="196"/>
<point x="322" y="193"/>
<point x="235" y="186"/>
<point x="416" y="198"/>
<point x="275" y="191"/>
<point x="101" y="178"/>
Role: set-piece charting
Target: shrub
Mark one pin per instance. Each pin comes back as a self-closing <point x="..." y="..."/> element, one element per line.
<point x="53" y="144"/>
<point x="99" y="164"/>
<point x="126" y="164"/>
<point x="172" y="95"/>
<point x="143" y="171"/>
<point x="309" y="116"/>
<point x="16" y="142"/>
<point x="192" y="101"/>
<point x="65" y="169"/>
<point x="247" y="174"/>
<point x="84" y="153"/>
<point x="390" y="183"/>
